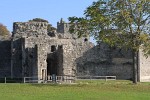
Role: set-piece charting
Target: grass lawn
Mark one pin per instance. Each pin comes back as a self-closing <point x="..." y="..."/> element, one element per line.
<point x="83" y="90"/>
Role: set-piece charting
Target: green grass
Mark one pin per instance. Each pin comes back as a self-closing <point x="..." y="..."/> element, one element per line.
<point x="83" y="90"/>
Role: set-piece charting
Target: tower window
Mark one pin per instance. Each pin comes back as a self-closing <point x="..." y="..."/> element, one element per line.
<point x="53" y="48"/>
<point x="85" y="39"/>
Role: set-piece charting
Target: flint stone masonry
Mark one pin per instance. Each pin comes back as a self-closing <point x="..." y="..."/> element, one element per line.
<point x="32" y="52"/>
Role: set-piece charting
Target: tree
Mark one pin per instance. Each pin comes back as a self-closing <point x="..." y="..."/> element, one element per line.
<point x="121" y="23"/>
<point x="3" y="30"/>
<point x="50" y="28"/>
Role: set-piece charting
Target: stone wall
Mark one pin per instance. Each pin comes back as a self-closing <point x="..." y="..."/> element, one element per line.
<point x="68" y="60"/>
<point x="39" y="28"/>
<point x="62" y="27"/>
<point x="41" y="62"/>
<point x="104" y="61"/>
<point x="16" y="49"/>
<point x="38" y="54"/>
<point x="5" y="58"/>
<point x="144" y="67"/>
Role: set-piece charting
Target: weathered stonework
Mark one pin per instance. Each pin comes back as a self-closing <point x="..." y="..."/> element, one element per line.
<point x="5" y="57"/>
<point x="38" y="54"/>
<point x="144" y="67"/>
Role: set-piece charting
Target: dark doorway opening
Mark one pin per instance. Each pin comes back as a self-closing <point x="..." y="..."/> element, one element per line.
<point x="52" y="67"/>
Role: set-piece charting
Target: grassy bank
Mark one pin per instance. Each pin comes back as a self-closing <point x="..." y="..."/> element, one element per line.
<point x="83" y="90"/>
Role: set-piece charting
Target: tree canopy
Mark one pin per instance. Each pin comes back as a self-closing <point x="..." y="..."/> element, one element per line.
<point x="115" y="21"/>
<point x="121" y="23"/>
<point x="3" y="30"/>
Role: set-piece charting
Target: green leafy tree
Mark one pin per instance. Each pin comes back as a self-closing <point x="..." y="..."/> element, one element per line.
<point x="3" y="30"/>
<point x="50" y="28"/>
<point x="121" y="23"/>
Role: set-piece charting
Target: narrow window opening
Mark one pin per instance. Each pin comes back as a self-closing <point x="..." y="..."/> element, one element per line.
<point x="85" y="39"/>
<point x="53" y="48"/>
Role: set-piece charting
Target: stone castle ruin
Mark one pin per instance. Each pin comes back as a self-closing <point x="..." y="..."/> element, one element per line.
<point x="33" y="52"/>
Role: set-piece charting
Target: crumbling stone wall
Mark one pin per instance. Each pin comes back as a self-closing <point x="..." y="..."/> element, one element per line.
<point x="5" y="58"/>
<point x="35" y="53"/>
<point x="62" y="52"/>
<point x="30" y="28"/>
<point x="24" y="47"/>
<point x="102" y="60"/>
<point x="144" y="67"/>
<point x="16" y="59"/>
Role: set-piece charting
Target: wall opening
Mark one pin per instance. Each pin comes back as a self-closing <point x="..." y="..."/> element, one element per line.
<point x="43" y="74"/>
<point x="85" y="39"/>
<point x="52" y="67"/>
<point x="53" y="48"/>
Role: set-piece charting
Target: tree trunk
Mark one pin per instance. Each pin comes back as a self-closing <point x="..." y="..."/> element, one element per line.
<point x="135" y="67"/>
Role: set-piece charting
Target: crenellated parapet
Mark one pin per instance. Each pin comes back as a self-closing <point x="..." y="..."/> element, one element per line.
<point x="62" y="27"/>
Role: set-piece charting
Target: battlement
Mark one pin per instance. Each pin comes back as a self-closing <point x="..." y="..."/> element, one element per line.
<point x="62" y="27"/>
<point x="39" y="28"/>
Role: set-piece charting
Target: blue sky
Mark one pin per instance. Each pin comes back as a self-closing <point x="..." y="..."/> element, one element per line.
<point x="51" y="10"/>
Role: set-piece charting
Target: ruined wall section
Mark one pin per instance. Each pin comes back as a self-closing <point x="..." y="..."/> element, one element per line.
<point x="29" y="57"/>
<point x="60" y="60"/>
<point x="32" y="48"/>
<point x="65" y="60"/>
<point x="63" y="54"/>
<point x="29" y="29"/>
<point x="63" y="32"/>
<point x="62" y="27"/>
<point x="5" y="57"/>
<point x="26" y="36"/>
<point x="144" y="67"/>
<point x="55" y="56"/>
<point x="44" y="52"/>
<point x="122" y="63"/>
<point x="41" y="70"/>
<point x="36" y="55"/>
<point x="68" y="60"/>
<point x="102" y="60"/>
<point x="16" y="60"/>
